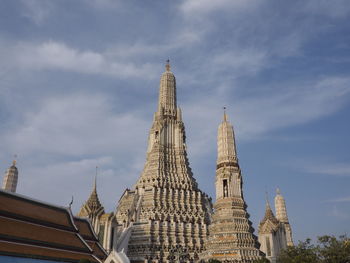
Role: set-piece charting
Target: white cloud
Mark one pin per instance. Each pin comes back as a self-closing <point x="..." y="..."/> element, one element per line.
<point x="335" y="169"/>
<point x="339" y="214"/>
<point x="37" y="10"/>
<point x="333" y="9"/>
<point x="193" y="8"/>
<point x="63" y="141"/>
<point x="104" y="4"/>
<point x="76" y="125"/>
<point x="339" y="200"/>
<point x="255" y="116"/>
<point x="295" y="105"/>
<point x="240" y="60"/>
<point x="55" y="55"/>
<point x="182" y="39"/>
<point x="74" y="178"/>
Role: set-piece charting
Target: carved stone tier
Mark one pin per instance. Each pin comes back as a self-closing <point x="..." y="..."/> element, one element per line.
<point x="231" y="236"/>
<point x="168" y="214"/>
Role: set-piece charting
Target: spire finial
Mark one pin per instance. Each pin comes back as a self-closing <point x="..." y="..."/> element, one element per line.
<point x="278" y="191"/>
<point x="167" y="65"/>
<point x="267" y="199"/>
<point x="225" y="115"/>
<point x="95" y="183"/>
<point x="14" y="160"/>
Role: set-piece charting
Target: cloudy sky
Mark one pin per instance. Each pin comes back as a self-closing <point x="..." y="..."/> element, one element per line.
<point x="79" y="83"/>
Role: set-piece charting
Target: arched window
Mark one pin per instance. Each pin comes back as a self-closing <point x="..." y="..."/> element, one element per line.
<point x="225" y="188"/>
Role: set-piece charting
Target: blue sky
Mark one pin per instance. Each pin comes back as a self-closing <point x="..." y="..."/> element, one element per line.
<point x="79" y="84"/>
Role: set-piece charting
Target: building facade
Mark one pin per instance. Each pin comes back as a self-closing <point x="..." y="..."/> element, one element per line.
<point x="165" y="214"/>
<point x="275" y="233"/>
<point x="231" y="235"/>
<point x="165" y="217"/>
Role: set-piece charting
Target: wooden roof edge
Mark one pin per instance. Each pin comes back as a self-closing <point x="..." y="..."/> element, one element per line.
<point x="95" y="240"/>
<point x="102" y="249"/>
<point x="84" y="241"/>
<point x="38" y="256"/>
<point x="87" y="221"/>
<point x="24" y="198"/>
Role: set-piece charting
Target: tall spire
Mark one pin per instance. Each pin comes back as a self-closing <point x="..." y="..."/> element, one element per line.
<point x="11" y="177"/>
<point x="231" y="235"/>
<point x="92" y="206"/>
<point x="167" y="65"/>
<point x="95" y="184"/>
<point x="167" y="92"/>
<point x="280" y="205"/>
<point x="166" y="192"/>
<point x="268" y="213"/>
<point x="226" y="142"/>
<point x="281" y="214"/>
<point x="225" y="117"/>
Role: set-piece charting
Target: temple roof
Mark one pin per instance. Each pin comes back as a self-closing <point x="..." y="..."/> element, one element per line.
<point x="269" y="221"/>
<point x="87" y="232"/>
<point x="34" y="229"/>
<point x="93" y="205"/>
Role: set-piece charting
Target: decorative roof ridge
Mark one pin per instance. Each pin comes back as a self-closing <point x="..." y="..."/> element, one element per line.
<point x="93" y="202"/>
<point x="85" y="220"/>
<point x="269" y="215"/>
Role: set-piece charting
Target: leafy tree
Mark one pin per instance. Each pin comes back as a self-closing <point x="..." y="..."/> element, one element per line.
<point x="329" y="249"/>
<point x="212" y="260"/>
<point x="304" y="252"/>
<point x="333" y="250"/>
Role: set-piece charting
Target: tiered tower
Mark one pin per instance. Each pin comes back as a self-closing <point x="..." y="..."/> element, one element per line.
<point x="231" y="233"/>
<point x="281" y="215"/>
<point x="272" y="235"/>
<point x="167" y="213"/>
<point x="11" y="178"/>
<point x="92" y="209"/>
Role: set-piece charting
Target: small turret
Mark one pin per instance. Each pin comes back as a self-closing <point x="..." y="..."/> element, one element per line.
<point x="11" y="178"/>
<point x="269" y="216"/>
<point x="282" y="216"/>
<point x="271" y="234"/>
<point x="280" y="205"/>
<point x="231" y="235"/>
<point x="167" y="92"/>
<point x="92" y="208"/>
<point x="226" y="142"/>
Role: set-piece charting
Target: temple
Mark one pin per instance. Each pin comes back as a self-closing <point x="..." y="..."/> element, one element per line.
<point x="275" y="233"/>
<point x="165" y="213"/>
<point x="164" y="217"/>
<point x="231" y="237"/>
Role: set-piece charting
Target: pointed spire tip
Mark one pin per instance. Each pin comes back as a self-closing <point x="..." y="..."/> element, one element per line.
<point x="95" y="181"/>
<point x="167" y="65"/>
<point x="278" y="191"/>
<point x="225" y="115"/>
<point x="14" y="162"/>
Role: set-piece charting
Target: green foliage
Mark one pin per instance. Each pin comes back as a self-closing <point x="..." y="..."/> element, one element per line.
<point x="328" y="249"/>
<point x="212" y="260"/>
<point x="333" y="250"/>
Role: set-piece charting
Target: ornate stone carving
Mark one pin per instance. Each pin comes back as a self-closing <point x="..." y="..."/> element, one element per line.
<point x="167" y="210"/>
<point x="231" y="236"/>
